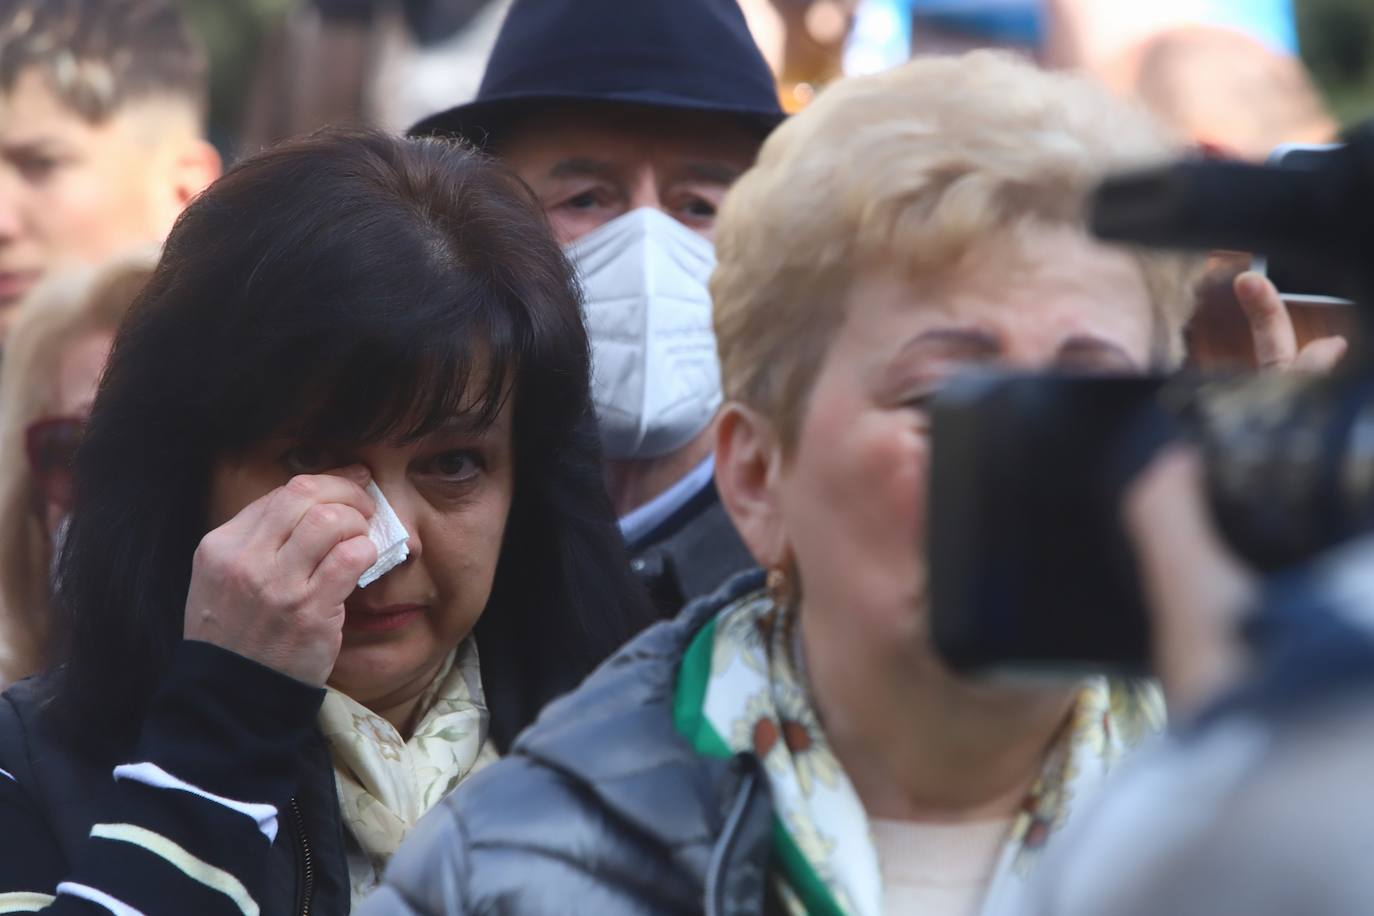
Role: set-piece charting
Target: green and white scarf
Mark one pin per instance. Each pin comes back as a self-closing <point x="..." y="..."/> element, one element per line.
<point x="740" y="690"/>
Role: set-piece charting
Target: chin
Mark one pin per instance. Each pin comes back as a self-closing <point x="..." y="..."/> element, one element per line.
<point x="369" y="670"/>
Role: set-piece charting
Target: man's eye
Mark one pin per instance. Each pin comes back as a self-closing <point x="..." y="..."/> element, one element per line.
<point x="700" y="209"/>
<point x="36" y="168"/>
<point x="584" y="201"/>
<point x="309" y="459"/>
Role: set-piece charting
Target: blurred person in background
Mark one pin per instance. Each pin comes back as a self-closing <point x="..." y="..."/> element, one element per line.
<point x="53" y="360"/>
<point x="630" y="122"/>
<point x="384" y="63"/>
<point x="1224" y="75"/>
<point x="349" y="333"/>
<point x="793" y="744"/>
<point x="102" y="104"/>
<point x="1257" y="801"/>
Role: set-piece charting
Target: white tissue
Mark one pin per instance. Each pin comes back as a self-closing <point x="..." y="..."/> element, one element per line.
<point x="388" y="535"/>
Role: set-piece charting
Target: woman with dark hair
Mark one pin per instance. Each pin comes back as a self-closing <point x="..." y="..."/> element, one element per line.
<point x="343" y="332"/>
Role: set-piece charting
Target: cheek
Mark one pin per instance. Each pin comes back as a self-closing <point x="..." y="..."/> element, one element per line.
<point x="570" y="225"/>
<point x="858" y="494"/>
<point x="461" y="551"/>
<point x="90" y="216"/>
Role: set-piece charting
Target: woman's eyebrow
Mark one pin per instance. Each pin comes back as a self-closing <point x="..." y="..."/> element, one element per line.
<point x="960" y="344"/>
<point x="959" y="341"/>
<point x="469" y="424"/>
<point x="1082" y="344"/>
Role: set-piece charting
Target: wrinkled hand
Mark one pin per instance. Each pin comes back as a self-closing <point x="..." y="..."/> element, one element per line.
<point x="271" y="582"/>
<point x="1271" y="327"/>
<point x="1195" y="587"/>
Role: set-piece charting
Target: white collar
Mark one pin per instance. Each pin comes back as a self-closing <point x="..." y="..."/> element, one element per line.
<point x="639" y="522"/>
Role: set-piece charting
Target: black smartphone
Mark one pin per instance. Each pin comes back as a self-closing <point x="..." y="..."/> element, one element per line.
<point x="1297" y="282"/>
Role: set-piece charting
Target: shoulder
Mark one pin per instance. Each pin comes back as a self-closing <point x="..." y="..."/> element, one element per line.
<point x="600" y="801"/>
<point x="519" y="837"/>
<point x="30" y="740"/>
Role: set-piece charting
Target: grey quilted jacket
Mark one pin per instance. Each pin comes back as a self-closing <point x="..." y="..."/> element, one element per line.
<point x="600" y="808"/>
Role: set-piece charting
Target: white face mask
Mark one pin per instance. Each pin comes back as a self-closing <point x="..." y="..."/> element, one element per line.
<point x="655" y="374"/>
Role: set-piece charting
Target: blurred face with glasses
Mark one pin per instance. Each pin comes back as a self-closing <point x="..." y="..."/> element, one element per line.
<point x="51" y="440"/>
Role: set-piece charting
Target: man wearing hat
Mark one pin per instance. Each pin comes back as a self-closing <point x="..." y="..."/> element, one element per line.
<point x="630" y="120"/>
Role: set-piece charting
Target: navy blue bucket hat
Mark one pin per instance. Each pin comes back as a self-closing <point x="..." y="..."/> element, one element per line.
<point x="683" y="55"/>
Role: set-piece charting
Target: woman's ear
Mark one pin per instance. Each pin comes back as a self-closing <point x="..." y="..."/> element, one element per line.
<point x="748" y="462"/>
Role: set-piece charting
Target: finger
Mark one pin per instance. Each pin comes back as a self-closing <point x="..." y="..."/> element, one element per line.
<point x="288" y="504"/>
<point x="1271" y="328"/>
<point x="321" y="528"/>
<point x="1320" y="356"/>
<point x="357" y="473"/>
<point x="337" y="574"/>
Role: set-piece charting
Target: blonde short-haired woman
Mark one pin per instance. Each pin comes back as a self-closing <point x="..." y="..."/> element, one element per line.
<point x="793" y="744"/>
<point x="53" y="359"/>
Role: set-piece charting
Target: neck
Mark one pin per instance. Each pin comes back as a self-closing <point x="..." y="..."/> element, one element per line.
<point x="634" y="482"/>
<point x="919" y="743"/>
<point x="401" y="706"/>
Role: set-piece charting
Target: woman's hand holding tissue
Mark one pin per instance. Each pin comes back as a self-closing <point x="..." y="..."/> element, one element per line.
<point x="270" y="584"/>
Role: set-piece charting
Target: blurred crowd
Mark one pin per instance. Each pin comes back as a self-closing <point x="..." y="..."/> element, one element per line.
<point x="493" y="477"/>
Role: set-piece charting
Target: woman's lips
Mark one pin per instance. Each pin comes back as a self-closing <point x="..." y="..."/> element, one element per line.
<point x="14" y="285"/>
<point x="381" y="620"/>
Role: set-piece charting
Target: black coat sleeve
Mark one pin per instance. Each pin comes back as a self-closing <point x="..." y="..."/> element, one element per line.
<point x="191" y="817"/>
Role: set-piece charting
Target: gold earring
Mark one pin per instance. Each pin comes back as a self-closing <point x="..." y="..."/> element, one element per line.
<point x="779" y="585"/>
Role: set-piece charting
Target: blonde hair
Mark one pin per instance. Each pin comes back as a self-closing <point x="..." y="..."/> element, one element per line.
<point x="920" y="165"/>
<point x="64" y="309"/>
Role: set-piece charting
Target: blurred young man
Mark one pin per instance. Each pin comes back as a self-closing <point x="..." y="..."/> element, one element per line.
<point x="102" y="104"/>
<point x="631" y="121"/>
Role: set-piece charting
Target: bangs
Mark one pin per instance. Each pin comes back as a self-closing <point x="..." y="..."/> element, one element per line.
<point x="367" y="370"/>
<point x="385" y="397"/>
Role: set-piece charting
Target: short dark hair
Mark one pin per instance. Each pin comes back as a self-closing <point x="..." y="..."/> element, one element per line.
<point x="98" y="55"/>
<point x="346" y="286"/>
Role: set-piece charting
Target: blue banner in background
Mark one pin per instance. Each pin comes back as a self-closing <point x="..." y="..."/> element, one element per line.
<point x="1000" y="21"/>
<point x="1271" y="21"/>
<point x="882" y="28"/>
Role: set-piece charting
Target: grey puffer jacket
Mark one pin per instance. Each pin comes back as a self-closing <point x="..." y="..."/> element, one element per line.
<point x="601" y="807"/>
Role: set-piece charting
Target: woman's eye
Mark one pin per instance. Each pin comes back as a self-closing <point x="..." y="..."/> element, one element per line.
<point x="309" y="459"/>
<point x="456" y="465"/>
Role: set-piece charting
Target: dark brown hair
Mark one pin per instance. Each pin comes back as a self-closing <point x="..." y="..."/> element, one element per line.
<point x="347" y="288"/>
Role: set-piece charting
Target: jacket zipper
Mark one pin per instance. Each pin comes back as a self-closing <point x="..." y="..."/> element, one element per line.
<point x="307" y="860"/>
<point x="720" y="855"/>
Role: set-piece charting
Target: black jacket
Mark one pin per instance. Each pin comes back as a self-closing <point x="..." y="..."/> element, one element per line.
<point x="689" y="554"/>
<point x="220" y="724"/>
<point x="602" y="807"/>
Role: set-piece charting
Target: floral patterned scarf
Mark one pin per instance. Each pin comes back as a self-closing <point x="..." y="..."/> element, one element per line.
<point x="740" y="690"/>
<point x="386" y="783"/>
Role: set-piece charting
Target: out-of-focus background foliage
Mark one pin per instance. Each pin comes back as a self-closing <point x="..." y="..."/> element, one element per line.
<point x="233" y="32"/>
<point x="1337" y="38"/>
